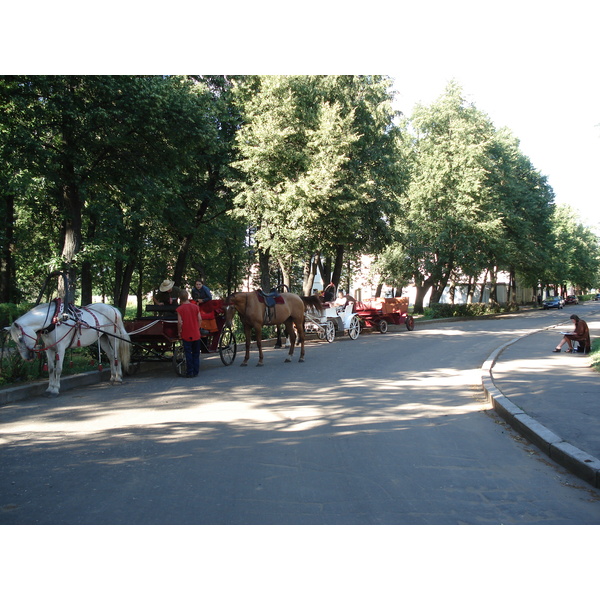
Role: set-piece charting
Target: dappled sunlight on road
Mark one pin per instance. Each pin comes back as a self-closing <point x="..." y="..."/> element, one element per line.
<point x="528" y="366"/>
<point x="347" y="404"/>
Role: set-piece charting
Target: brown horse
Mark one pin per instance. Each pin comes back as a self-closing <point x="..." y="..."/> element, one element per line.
<point x="254" y="314"/>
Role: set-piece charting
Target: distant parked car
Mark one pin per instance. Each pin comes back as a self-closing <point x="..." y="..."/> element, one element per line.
<point x="556" y="302"/>
<point x="597" y="297"/>
<point x="571" y="300"/>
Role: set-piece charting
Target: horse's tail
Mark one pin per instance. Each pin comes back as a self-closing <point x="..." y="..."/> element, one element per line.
<point x="124" y="345"/>
<point x="312" y="303"/>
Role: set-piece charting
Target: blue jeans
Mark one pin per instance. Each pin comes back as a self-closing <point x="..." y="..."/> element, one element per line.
<point x="192" y="357"/>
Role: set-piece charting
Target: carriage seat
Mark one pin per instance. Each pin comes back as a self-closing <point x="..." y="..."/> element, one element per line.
<point x="163" y="311"/>
<point x="346" y="309"/>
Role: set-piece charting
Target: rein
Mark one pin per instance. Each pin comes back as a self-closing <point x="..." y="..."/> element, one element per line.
<point x="73" y="329"/>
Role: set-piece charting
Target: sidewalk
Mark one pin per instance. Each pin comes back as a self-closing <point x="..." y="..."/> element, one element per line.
<point x="553" y="400"/>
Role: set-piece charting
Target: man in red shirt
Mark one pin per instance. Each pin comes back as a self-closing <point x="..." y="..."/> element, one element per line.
<point x="188" y="323"/>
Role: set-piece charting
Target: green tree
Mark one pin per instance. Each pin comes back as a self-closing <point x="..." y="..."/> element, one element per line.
<point x="118" y="174"/>
<point x="575" y="253"/>
<point x="523" y="201"/>
<point x="447" y="213"/>
<point x="317" y="155"/>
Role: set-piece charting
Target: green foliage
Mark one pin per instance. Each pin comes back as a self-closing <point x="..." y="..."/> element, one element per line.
<point x="444" y="311"/>
<point x="319" y="163"/>
<point x="595" y="354"/>
<point x="125" y="172"/>
<point x="10" y="312"/>
<point x="575" y="252"/>
<point x="128" y="180"/>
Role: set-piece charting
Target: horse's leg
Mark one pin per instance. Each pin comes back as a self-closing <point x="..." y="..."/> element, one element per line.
<point x="248" y="334"/>
<point x="111" y="351"/>
<point x="54" y="371"/>
<point x="289" y="329"/>
<point x="259" y="344"/>
<point x="300" y="327"/>
<point x="301" y="336"/>
<point x="281" y="339"/>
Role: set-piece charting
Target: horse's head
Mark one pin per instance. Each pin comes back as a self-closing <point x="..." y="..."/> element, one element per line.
<point x="229" y="306"/>
<point x="21" y="335"/>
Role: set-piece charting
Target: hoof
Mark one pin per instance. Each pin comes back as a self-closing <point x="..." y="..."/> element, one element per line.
<point x="301" y="360"/>
<point x="50" y="394"/>
<point x="244" y="365"/>
<point x="260" y="365"/>
<point x="288" y="360"/>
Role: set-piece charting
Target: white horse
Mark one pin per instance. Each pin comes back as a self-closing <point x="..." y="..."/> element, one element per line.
<point x="59" y="331"/>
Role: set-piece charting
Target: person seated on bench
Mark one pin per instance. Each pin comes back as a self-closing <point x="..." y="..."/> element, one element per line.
<point x="200" y="292"/>
<point x="581" y="334"/>
<point x="343" y="300"/>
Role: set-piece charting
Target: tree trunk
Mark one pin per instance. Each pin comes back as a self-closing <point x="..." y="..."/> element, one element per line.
<point x="420" y="297"/>
<point x="482" y="288"/>
<point x="118" y="281"/>
<point x="263" y="263"/>
<point x="86" y="283"/>
<point x="285" y="275"/>
<point x="140" y="292"/>
<point x="72" y="234"/>
<point x="470" y="290"/>
<point x="512" y="287"/>
<point x="309" y="274"/>
<point x="121" y="302"/>
<point x="181" y="262"/>
<point x="452" y="291"/>
<point x="338" y="265"/>
<point x="325" y="270"/>
<point x="7" y="268"/>
<point x="493" y="284"/>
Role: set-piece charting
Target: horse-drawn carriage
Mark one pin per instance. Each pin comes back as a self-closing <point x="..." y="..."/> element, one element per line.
<point x="155" y="338"/>
<point x="334" y="318"/>
<point x="377" y="313"/>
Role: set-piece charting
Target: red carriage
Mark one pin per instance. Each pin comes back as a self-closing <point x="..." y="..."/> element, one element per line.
<point x="155" y="338"/>
<point x="378" y="313"/>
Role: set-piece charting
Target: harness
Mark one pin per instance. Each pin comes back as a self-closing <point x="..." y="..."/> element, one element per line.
<point x="61" y="317"/>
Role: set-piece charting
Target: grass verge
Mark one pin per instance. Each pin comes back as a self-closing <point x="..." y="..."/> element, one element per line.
<point x="595" y="355"/>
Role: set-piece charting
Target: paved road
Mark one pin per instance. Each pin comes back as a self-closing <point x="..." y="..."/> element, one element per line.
<point x="386" y="429"/>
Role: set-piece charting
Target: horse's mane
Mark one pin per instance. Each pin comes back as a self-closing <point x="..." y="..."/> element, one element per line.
<point x="313" y="303"/>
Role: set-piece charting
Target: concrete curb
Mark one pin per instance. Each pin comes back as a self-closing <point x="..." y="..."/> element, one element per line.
<point x="580" y="463"/>
<point x="30" y="390"/>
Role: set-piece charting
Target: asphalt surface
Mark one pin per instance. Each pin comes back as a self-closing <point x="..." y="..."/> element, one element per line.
<point x="401" y="438"/>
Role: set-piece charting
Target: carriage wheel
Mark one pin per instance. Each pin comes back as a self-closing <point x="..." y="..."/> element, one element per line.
<point x="330" y="331"/>
<point x="354" y="328"/>
<point x="179" y="359"/>
<point x="410" y="323"/>
<point x="227" y="346"/>
<point x="382" y="326"/>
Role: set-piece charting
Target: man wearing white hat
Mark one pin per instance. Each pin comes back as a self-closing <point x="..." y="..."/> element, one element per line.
<point x="168" y="293"/>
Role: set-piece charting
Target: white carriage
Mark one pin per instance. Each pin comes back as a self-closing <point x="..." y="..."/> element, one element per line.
<point x="333" y="319"/>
